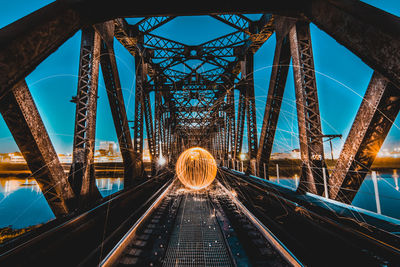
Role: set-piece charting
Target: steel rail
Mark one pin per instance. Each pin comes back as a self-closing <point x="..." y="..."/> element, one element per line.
<point x="118" y="249"/>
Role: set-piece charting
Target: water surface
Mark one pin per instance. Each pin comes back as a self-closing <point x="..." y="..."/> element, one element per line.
<point x="22" y="203"/>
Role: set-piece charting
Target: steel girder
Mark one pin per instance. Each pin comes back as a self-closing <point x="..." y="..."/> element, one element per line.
<point x="113" y="86"/>
<point x="377" y="112"/>
<point x="231" y="121"/>
<point x="82" y="174"/>
<point x="308" y="116"/>
<point x="252" y="139"/>
<point x="138" y="120"/>
<point x="58" y="21"/>
<point x="25" y="43"/>
<point x="370" y="33"/>
<point x="273" y="103"/>
<point x="240" y="122"/>
<point x="157" y="124"/>
<point x="149" y="126"/>
<point x="23" y="119"/>
<point x="224" y="52"/>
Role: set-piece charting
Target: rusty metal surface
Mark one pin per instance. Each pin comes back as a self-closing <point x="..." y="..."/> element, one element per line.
<point x="274" y="100"/>
<point x="248" y="74"/>
<point x="370" y="33"/>
<point x="25" y="43"/>
<point x="117" y="105"/>
<point x="377" y="112"/>
<point x="82" y="177"/>
<point x="308" y="116"/>
<point x="23" y="119"/>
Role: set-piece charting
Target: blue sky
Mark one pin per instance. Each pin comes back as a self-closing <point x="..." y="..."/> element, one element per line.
<point x="341" y="79"/>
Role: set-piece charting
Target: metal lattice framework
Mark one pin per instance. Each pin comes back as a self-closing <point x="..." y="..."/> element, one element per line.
<point x="195" y="97"/>
<point x="195" y="103"/>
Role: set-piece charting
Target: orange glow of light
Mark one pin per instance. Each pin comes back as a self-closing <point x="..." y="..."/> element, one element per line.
<point x="196" y="168"/>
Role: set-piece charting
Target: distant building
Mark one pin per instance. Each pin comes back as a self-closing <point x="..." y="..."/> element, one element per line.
<point x="16" y="157"/>
<point x="281" y="156"/>
<point x="109" y="148"/>
<point x="65" y="158"/>
<point x="146" y="151"/>
<point x="295" y="153"/>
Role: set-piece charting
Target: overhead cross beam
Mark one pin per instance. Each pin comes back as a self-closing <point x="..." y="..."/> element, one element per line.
<point x="370" y="33"/>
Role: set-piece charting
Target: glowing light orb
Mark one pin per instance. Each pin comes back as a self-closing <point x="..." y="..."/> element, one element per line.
<point x="196" y="168"/>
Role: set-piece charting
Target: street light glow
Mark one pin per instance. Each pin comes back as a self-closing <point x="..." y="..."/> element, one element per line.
<point x="161" y="161"/>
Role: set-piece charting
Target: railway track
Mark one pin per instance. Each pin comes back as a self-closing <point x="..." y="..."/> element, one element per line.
<point x="198" y="228"/>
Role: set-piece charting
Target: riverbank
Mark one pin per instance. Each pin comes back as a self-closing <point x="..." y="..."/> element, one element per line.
<point x="21" y="170"/>
<point x="8" y="233"/>
<point x="292" y="167"/>
<point x="287" y="167"/>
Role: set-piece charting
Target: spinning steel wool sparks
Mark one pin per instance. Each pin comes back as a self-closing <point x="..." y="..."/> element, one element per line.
<point x="196" y="168"/>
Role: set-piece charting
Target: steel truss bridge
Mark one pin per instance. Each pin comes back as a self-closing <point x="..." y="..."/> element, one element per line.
<point x="194" y="105"/>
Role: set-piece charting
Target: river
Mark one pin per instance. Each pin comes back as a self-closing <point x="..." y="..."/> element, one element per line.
<point x="22" y="203"/>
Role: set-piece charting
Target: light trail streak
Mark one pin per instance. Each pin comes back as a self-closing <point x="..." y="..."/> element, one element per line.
<point x="196" y="168"/>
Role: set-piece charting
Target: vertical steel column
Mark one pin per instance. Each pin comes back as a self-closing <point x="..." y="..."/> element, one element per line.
<point x="82" y="175"/>
<point x="149" y="126"/>
<point x="273" y="103"/>
<point x="164" y="133"/>
<point x="308" y="116"/>
<point x="138" y="120"/>
<point x="23" y="119"/>
<point x="232" y="126"/>
<point x="377" y="112"/>
<point x="158" y="125"/>
<point x="240" y="122"/>
<point x="116" y="100"/>
<point x="227" y="130"/>
<point x="224" y="131"/>
<point x="251" y="111"/>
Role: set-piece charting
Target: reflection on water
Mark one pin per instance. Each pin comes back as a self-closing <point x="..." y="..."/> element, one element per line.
<point x="22" y="203"/>
<point x="388" y="188"/>
<point x="108" y="186"/>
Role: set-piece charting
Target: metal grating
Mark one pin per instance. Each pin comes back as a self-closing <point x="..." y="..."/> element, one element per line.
<point x="196" y="239"/>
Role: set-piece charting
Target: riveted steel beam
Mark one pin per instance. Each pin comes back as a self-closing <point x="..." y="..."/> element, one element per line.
<point x="82" y="174"/>
<point x="146" y="105"/>
<point x="26" y="126"/>
<point x="309" y="122"/>
<point x="231" y="120"/>
<point x="370" y="33"/>
<point x="377" y="112"/>
<point x="248" y="76"/>
<point x="25" y="43"/>
<point x="240" y="123"/>
<point x="273" y="103"/>
<point x="138" y="120"/>
<point x="113" y="86"/>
